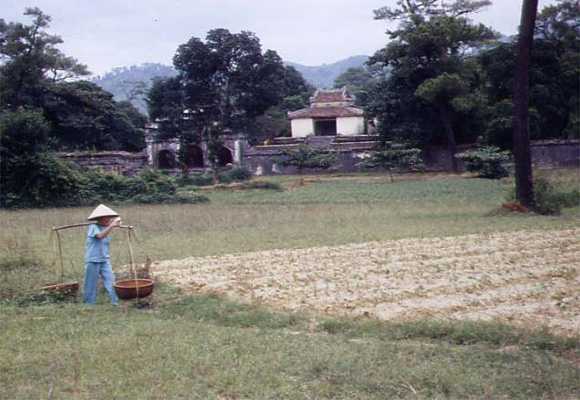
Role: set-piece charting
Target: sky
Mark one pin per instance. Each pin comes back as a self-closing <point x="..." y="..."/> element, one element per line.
<point x="105" y="34"/>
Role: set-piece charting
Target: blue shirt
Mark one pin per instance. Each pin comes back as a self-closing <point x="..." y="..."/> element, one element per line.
<point x="96" y="250"/>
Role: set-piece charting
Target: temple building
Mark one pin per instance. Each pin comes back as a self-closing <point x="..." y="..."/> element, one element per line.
<point x="331" y="113"/>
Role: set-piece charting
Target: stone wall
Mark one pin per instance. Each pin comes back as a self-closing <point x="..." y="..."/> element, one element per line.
<point x="265" y="159"/>
<point x="545" y="154"/>
<point x="120" y="162"/>
<point x="438" y="158"/>
<point x="556" y="153"/>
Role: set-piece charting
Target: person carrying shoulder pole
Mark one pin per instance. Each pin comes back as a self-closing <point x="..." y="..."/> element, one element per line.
<point x="97" y="257"/>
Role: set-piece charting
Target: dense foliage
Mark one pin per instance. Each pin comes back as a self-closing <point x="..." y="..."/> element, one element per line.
<point x="305" y="156"/>
<point x="432" y="89"/>
<point x="549" y="200"/>
<point x="43" y="108"/>
<point x="554" y="79"/>
<point x="226" y="84"/>
<point x="29" y="175"/>
<point x="443" y="79"/>
<point x="224" y="80"/>
<point x="32" y="176"/>
<point x="550" y="197"/>
<point x="35" y="74"/>
<point x="487" y="161"/>
<point x="394" y="157"/>
<point x="357" y="81"/>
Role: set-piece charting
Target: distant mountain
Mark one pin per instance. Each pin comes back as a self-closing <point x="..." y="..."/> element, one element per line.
<point x="131" y="83"/>
<point x="323" y="76"/>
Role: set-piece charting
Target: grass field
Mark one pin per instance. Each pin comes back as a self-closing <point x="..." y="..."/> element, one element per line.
<point x="207" y="347"/>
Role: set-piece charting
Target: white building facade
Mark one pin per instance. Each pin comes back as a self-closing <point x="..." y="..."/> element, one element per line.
<point x="331" y="113"/>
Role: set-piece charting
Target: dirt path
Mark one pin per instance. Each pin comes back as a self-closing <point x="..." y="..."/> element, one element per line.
<point x="530" y="278"/>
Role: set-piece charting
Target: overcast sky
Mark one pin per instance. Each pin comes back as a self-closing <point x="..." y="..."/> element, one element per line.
<point x="104" y="34"/>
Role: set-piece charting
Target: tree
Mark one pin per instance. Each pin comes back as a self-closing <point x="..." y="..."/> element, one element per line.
<point x="428" y="58"/>
<point x="274" y="122"/>
<point x="400" y="116"/>
<point x="29" y="59"/>
<point x="227" y="78"/>
<point x="357" y="81"/>
<point x="441" y="91"/>
<point x="166" y="106"/>
<point x="84" y="116"/>
<point x="35" y="74"/>
<point x="394" y="157"/>
<point x="554" y="79"/>
<point x="224" y="84"/>
<point x="522" y="156"/>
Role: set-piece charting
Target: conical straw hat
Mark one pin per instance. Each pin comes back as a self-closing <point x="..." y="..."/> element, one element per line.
<point x="102" y="211"/>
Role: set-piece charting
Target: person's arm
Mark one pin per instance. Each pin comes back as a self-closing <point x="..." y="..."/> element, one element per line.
<point x="105" y="232"/>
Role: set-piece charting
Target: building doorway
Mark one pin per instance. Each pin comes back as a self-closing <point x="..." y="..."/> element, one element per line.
<point x="224" y="156"/>
<point x="193" y="156"/>
<point x="325" y="127"/>
<point x="166" y="160"/>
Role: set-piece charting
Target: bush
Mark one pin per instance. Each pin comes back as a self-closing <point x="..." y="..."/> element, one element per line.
<point x="308" y="157"/>
<point x="235" y="175"/>
<point x="31" y="176"/>
<point x="394" y="157"/>
<point x="103" y="187"/>
<point x="41" y="180"/>
<point x="488" y="162"/>
<point x="550" y="201"/>
<point x="195" y="180"/>
<point x="156" y="182"/>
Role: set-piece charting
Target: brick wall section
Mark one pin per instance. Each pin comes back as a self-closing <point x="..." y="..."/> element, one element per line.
<point x="120" y="162"/>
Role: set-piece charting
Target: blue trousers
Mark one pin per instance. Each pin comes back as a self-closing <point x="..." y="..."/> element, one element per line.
<point x="92" y="272"/>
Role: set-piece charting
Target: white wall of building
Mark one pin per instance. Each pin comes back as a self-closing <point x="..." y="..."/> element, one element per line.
<point x="302" y="127"/>
<point x="350" y="126"/>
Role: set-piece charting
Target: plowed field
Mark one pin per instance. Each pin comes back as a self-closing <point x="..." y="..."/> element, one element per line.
<point x="530" y="278"/>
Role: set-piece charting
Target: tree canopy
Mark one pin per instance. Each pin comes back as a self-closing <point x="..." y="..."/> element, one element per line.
<point x="44" y="106"/>
<point x="35" y="74"/>
<point x="554" y="79"/>
<point x="31" y="60"/>
<point x="223" y="81"/>
<point x="358" y="81"/>
<point x="432" y="86"/>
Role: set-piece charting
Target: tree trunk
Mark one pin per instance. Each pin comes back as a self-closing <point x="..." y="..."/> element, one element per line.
<point x="215" y="174"/>
<point x="521" y="134"/>
<point x="451" y="144"/>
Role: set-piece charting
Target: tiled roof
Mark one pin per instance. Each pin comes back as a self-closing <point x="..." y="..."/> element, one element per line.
<point x="331" y="96"/>
<point x="326" y="112"/>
